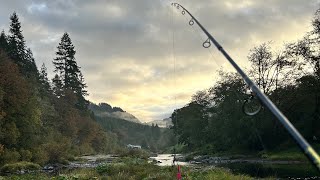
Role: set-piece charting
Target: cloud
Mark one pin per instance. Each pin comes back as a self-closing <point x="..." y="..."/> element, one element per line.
<point x="125" y="48"/>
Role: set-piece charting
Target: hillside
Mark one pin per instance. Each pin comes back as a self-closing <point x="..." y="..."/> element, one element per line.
<point x="106" y="110"/>
<point x="164" y="123"/>
<point x="153" y="138"/>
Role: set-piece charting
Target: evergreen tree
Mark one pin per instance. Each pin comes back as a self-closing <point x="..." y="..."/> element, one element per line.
<point x="17" y="49"/>
<point x="31" y="68"/>
<point x="43" y="78"/>
<point x="70" y="74"/>
<point x="16" y="40"/>
<point x="81" y="92"/>
<point x="3" y="41"/>
<point x="57" y="86"/>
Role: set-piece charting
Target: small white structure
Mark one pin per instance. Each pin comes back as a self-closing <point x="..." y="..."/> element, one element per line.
<point x="130" y="146"/>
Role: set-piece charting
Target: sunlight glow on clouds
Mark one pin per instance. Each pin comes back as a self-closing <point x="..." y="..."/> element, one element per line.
<point x="124" y="47"/>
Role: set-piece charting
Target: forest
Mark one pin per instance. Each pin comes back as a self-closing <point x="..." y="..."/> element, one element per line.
<point x="152" y="138"/>
<point x="44" y="120"/>
<point x="214" y="120"/>
<point x="48" y="121"/>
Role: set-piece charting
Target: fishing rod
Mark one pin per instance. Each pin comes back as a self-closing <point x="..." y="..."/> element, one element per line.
<point x="302" y="143"/>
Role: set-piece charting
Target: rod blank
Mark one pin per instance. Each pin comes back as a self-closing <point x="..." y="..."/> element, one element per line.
<point x="302" y="143"/>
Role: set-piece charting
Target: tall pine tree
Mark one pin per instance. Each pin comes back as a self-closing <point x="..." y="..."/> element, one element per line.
<point x="16" y="40"/>
<point x="17" y="49"/>
<point x="69" y="72"/>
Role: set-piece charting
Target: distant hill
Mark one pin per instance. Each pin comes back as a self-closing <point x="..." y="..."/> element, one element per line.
<point x="106" y="110"/>
<point x="127" y="129"/>
<point x="165" y="123"/>
<point x="153" y="138"/>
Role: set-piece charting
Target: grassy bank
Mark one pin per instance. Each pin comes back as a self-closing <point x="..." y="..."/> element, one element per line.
<point x="133" y="169"/>
<point x="284" y="154"/>
<point x="294" y="154"/>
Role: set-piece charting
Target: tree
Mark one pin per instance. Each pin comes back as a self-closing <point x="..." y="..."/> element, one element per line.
<point x="17" y="49"/>
<point x="3" y="41"/>
<point x="190" y="124"/>
<point x="266" y="67"/>
<point x="307" y="52"/>
<point x="17" y="45"/>
<point x="43" y="78"/>
<point x="57" y="86"/>
<point x="70" y="74"/>
<point x="81" y="93"/>
<point x="31" y="68"/>
<point x="65" y="63"/>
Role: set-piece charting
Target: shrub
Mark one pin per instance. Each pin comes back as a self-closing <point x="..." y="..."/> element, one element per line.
<point x="15" y="167"/>
<point x="10" y="156"/>
<point x="26" y="155"/>
<point x="58" y="151"/>
<point x="137" y="153"/>
<point x="40" y="156"/>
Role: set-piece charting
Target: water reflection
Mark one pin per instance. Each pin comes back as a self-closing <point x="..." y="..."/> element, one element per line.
<point x="288" y="171"/>
<point x="167" y="160"/>
<point x="257" y="170"/>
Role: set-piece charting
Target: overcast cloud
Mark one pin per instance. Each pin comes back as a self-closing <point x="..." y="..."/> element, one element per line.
<point x="125" y="48"/>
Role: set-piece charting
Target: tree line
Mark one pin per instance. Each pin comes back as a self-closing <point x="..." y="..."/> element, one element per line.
<point x="152" y="138"/>
<point x="214" y="120"/>
<point x="41" y="120"/>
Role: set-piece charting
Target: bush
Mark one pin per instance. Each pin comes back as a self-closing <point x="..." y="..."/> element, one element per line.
<point x="111" y="169"/>
<point x="58" y="151"/>
<point x="26" y="155"/>
<point x="86" y="148"/>
<point x="40" y="156"/>
<point x="15" y="167"/>
<point x="10" y="156"/>
<point x="135" y="168"/>
<point x="135" y="153"/>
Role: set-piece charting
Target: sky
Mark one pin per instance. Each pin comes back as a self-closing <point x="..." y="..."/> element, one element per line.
<point x="142" y="56"/>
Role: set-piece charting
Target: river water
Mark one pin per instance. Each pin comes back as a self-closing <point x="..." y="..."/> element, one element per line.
<point x="167" y="160"/>
<point x="257" y="168"/>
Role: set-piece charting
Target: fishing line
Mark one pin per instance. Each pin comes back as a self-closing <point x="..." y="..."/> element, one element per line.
<point x="174" y="162"/>
<point x="295" y="134"/>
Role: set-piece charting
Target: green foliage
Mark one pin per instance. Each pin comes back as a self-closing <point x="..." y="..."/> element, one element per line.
<point x="135" y="169"/>
<point x="10" y="156"/>
<point x="40" y="155"/>
<point x="26" y="155"/>
<point x="146" y="171"/>
<point x="216" y="173"/>
<point x="214" y="122"/>
<point x="135" y="153"/>
<point x="149" y="137"/>
<point x="40" y="123"/>
<point x="23" y="165"/>
<point x="69" y="72"/>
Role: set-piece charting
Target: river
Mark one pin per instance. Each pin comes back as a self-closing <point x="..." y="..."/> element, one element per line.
<point x="167" y="160"/>
<point x="255" y="168"/>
